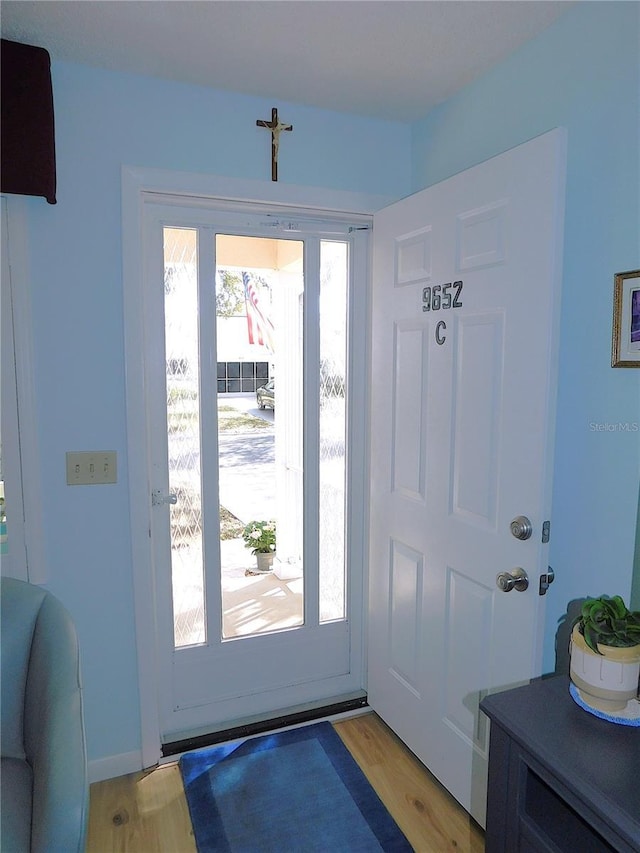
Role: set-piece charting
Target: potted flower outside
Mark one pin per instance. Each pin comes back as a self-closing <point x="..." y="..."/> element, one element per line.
<point x="260" y="536"/>
<point x="605" y="653"/>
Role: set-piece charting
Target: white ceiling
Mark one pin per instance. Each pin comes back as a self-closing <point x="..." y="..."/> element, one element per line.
<point x="392" y="59"/>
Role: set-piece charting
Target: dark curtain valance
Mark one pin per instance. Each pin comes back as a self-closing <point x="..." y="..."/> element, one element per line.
<point x="27" y="130"/>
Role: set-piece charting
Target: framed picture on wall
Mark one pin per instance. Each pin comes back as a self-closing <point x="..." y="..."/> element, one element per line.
<point x="625" y="350"/>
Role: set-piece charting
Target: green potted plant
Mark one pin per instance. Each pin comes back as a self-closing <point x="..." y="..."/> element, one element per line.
<point x="260" y="536"/>
<point x="605" y="653"/>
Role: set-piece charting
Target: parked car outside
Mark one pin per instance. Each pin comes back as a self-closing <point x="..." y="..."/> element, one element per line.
<point x="266" y="396"/>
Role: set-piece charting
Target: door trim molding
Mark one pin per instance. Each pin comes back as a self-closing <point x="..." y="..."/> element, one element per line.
<point x="186" y="187"/>
<point x="28" y="463"/>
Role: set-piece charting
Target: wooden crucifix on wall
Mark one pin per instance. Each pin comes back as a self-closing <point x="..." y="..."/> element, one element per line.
<point x="276" y="127"/>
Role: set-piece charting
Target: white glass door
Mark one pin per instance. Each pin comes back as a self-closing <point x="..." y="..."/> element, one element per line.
<point x="249" y="362"/>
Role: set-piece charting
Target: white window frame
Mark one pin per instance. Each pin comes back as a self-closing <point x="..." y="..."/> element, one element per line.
<point x="21" y="445"/>
<point x="136" y="182"/>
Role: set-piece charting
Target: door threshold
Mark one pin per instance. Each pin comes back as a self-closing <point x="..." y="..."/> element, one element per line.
<point x="261" y="726"/>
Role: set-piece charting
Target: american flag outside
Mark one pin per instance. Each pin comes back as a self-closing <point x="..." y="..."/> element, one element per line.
<point x="259" y="326"/>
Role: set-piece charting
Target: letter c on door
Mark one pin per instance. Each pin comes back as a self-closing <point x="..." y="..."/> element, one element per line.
<point x="440" y="337"/>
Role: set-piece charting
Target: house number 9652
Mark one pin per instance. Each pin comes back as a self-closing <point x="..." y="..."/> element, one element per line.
<point x="442" y="296"/>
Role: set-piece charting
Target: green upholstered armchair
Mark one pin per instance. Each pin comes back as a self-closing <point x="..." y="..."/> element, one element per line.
<point x="45" y="791"/>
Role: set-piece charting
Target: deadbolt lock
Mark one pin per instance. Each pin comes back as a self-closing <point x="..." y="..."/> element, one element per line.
<point x="521" y="527"/>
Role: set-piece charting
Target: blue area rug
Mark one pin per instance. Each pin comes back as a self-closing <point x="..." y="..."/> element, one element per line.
<point x="290" y="792"/>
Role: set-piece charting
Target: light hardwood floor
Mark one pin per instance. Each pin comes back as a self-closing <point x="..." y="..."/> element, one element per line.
<point x="147" y="812"/>
<point x="431" y="819"/>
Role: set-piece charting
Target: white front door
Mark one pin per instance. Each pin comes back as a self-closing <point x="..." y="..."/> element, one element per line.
<point x="223" y="656"/>
<point x="465" y="314"/>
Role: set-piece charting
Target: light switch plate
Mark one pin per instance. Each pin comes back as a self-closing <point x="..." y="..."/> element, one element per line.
<point x="93" y="467"/>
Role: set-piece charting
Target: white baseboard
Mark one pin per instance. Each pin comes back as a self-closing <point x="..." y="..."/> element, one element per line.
<point x="114" y="765"/>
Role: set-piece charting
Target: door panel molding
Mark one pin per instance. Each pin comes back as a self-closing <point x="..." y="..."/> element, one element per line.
<point x="406" y="579"/>
<point x="476" y="440"/>
<point x="409" y="395"/>
<point x="468" y="611"/>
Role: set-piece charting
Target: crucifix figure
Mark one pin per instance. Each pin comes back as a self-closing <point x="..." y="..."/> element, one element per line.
<point x="276" y="127"/>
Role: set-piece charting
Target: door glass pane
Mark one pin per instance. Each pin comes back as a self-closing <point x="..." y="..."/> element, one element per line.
<point x="183" y="433"/>
<point x="332" y="473"/>
<point x="259" y="294"/>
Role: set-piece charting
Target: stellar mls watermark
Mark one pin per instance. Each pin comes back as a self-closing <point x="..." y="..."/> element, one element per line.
<point x="616" y="426"/>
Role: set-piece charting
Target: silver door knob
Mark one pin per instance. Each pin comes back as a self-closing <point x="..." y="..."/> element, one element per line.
<point x="521" y="527"/>
<point x="517" y="579"/>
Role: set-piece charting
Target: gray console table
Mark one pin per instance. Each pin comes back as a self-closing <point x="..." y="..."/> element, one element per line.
<point x="560" y="779"/>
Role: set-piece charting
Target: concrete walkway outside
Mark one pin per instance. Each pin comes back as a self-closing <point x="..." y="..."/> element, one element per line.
<point x="247" y="466"/>
<point x="251" y="603"/>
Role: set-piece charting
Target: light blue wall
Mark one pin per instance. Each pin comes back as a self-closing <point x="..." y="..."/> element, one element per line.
<point x="104" y="120"/>
<point x="583" y="74"/>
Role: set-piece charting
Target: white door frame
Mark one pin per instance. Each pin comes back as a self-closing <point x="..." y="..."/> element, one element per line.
<point x="22" y="447"/>
<point x="135" y="183"/>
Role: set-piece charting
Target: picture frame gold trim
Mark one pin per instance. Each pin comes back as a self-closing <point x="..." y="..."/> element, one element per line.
<point x="625" y="346"/>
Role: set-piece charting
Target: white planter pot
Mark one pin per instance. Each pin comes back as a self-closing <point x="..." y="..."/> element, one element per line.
<point x="606" y="681"/>
<point x="265" y="562"/>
